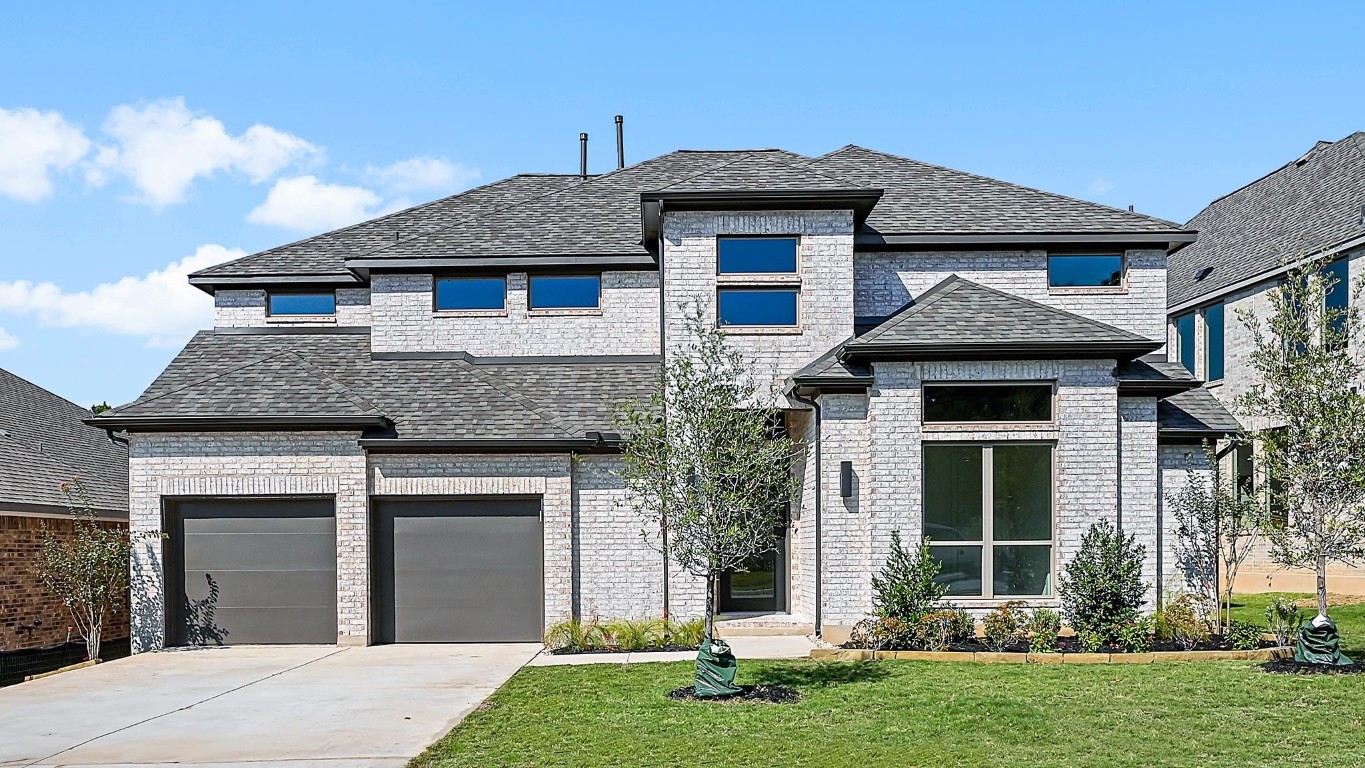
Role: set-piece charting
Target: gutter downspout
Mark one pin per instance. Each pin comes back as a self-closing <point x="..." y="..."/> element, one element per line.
<point x="663" y="348"/>
<point x="113" y="438"/>
<point x="815" y="405"/>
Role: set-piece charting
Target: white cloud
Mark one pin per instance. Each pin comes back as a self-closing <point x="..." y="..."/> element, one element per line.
<point x="306" y="204"/>
<point x="160" y="305"/>
<point x="7" y="340"/>
<point x="419" y="174"/>
<point x="162" y="147"/>
<point x="32" y="145"/>
<point x="1100" y="187"/>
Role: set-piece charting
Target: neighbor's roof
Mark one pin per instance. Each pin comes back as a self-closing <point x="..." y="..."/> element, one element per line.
<point x="43" y="443"/>
<point x="1195" y="414"/>
<point x="1307" y="206"/>
<point x="962" y="319"/>
<point x="321" y="378"/>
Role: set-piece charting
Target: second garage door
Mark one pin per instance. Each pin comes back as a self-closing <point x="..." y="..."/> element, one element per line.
<point x="458" y="571"/>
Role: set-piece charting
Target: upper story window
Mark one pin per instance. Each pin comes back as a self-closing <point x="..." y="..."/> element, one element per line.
<point x="756" y="255"/>
<point x="756" y="307"/>
<point x="1085" y="270"/>
<point x="1213" y="343"/>
<point x="566" y="291"/>
<point x="471" y="293"/>
<point x="287" y="304"/>
<point x="1338" y="297"/>
<point x="999" y="403"/>
<point x="1184" y="341"/>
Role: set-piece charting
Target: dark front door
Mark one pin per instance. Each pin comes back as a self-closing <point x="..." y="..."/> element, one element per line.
<point x="760" y="588"/>
<point x="253" y="571"/>
<point x="458" y="570"/>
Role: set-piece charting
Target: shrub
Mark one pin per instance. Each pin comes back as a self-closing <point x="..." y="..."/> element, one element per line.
<point x="688" y="633"/>
<point x="634" y="634"/>
<point x="1102" y="588"/>
<point x="1041" y="628"/>
<point x="1136" y="636"/>
<point x="573" y="636"/>
<point x="1243" y="635"/>
<point x="1184" y="621"/>
<point x="906" y="589"/>
<point x="1284" y="618"/>
<point x="937" y="630"/>
<point x="1005" y="626"/>
<point x="1090" y="641"/>
<point x="882" y="633"/>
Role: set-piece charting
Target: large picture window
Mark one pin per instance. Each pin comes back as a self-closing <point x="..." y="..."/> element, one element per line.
<point x="1085" y="270"/>
<point x="956" y="403"/>
<point x="988" y="516"/>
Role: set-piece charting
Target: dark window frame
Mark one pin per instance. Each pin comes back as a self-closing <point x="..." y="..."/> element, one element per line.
<point x="531" y="293"/>
<point x="796" y="256"/>
<point x="1051" y="385"/>
<point x="1122" y="286"/>
<point x="1181" y="338"/>
<point x="436" y="293"/>
<point x="760" y="288"/>
<point x="1206" y="331"/>
<point x="270" y="303"/>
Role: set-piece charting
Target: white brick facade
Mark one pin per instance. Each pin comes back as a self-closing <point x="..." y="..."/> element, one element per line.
<point x="247" y="309"/>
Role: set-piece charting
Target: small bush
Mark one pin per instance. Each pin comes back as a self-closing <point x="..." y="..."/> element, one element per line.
<point x="574" y="635"/>
<point x="1102" y="588"/>
<point x="883" y="634"/>
<point x="1041" y="628"/>
<point x="634" y="634"/>
<point x="1284" y="619"/>
<point x="688" y="633"/>
<point x="1243" y="635"/>
<point x="906" y="589"/>
<point x="1005" y="626"/>
<point x="1136" y="636"/>
<point x="1090" y="641"/>
<point x="1184" y="621"/>
<point x="937" y="630"/>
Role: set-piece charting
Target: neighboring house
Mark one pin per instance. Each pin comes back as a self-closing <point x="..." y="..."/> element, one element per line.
<point x="44" y="443"/>
<point x="402" y="431"/>
<point x="1310" y="208"/>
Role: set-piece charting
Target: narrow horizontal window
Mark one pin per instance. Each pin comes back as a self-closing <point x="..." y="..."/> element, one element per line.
<point x="303" y="304"/>
<point x="1085" y="270"/>
<point x="954" y="403"/>
<point x="566" y="292"/>
<point x="756" y="255"/>
<point x="756" y="306"/>
<point x="471" y="293"/>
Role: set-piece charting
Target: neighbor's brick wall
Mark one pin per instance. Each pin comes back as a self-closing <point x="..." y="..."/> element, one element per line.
<point x="886" y="281"/>
<point x="248" y="464"/>
<point x="825" y="264"/>
<point x="1176" y="462"/>
<point x="247" y="309"/>
<point x="23" y="599"/>
<point x="626" y="324"/>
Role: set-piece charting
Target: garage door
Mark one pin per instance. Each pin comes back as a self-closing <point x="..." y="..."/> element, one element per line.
<point x="254" y="571"/>
<point x="458" y="571"/>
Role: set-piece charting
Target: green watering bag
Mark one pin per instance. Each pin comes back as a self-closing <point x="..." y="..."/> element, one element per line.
<point x="716" y="667"/>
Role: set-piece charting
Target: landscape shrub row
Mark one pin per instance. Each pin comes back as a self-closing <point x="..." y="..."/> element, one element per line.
<point x="624" y="635"/>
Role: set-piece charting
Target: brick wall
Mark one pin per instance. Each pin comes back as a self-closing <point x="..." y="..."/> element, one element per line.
<point x="627" y="322"/>
<point x="247" y="309"/>
<point x="25" y="599"/>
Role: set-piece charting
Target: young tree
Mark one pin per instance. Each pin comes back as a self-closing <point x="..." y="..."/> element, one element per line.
<point x="1216" y="527"/>
<point x="704" y="462"/>
<point x="88" y="570"/>
<point x="1312" y="422"/>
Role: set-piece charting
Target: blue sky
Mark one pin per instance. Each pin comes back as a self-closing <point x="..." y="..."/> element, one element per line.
<point x="135" y="137"/>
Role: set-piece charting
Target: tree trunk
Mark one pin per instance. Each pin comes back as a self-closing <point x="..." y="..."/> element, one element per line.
<point x="1322" y="584"/>
<point x="710" y="607"/>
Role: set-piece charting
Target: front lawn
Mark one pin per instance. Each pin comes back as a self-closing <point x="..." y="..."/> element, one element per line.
<point x="1348" y="613"/>
<point x="904" y="713"/>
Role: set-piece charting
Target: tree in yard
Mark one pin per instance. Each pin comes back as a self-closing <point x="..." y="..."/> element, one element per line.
<point x="1216" y="527"/>
<point x="88" y="570"/>
<point x="703" y="460"/>
<point x="1313" y="450"/>
<point x="1102" y="588"/>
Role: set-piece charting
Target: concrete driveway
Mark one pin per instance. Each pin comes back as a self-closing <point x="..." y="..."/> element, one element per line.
<point x="256" y="705"/>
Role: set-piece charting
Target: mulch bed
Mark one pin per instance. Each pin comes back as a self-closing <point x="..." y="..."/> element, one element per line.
<point x="1072" y="645"/>
<point x="761" y="694"/>
<point x="653" y="649"/>
<point x="1291" y="667"/>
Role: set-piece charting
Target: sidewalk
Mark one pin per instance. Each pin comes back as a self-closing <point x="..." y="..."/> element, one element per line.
<point x="778" y="647"/>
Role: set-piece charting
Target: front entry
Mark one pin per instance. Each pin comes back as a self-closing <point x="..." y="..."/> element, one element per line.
<point x="760" y="589"/>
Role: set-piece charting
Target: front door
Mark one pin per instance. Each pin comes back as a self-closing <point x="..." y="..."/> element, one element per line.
<point x="762" y="588"/>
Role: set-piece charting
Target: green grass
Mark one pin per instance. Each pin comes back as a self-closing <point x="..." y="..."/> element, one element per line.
<point x="1350" y="619"/>
<point x="904" y="713"/>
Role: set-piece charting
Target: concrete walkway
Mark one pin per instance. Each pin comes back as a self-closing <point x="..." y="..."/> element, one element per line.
<point x="772" y="647"/>
<point x="263" y="706"/>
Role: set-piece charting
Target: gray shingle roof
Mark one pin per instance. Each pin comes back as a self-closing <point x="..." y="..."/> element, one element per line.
<point x="1194" y="413"/>
<point x="1304" y="207"/>
<point x="765" y="172"/>
<point x="829" y="368"/>
<point x="326" y="254"/>
<point x="43" y="443"/>
<point x="326" y="374"/>
<point x="963" y="315"/>
<point x="923" y="198"/>
<point x="1155" y="374"/>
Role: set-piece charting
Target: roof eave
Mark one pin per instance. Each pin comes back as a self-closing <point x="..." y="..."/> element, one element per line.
<point x="1172" y="240"/>
<point x="1186" y="435"/>
<point x="588" y="444"/>
<point x="235" y="423"/>
<point x="652" y="204"/>
<point x="1000" y="351"/>
<point x="210" y="283"/>
<point x="616" y="261"/>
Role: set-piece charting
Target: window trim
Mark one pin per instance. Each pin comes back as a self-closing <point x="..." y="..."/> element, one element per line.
<point x="989" y="425"/>
<point x="1202" y="334"/>
<point x="436" y="289"/>
<point x="275" y="317"/>
<point x="1121" y="288"/>
<point x="532" y="310"/>
<point x="988" y="541"/>
<point x="760" y="329"/>
<point x="761" y="281"/>
<point x="1190" y="365"/>
<point x="794" y="275"/>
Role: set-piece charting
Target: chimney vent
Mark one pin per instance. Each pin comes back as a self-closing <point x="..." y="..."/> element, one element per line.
<point x="620" y="143"/>
<point x="583" y="155"/>
<point x="1130" y="208"/>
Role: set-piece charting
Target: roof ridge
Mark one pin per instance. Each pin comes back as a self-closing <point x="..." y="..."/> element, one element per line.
<point x="336" y="386"/>
<point x="712" y="169"/>
<point x="72" y="403"/>
<point x="498" y="384"/>
<point x="1088" y="320"/>
<point x="993" y="180"/>
<point x="1353" y="139"/>
<point x="940" y="289"/>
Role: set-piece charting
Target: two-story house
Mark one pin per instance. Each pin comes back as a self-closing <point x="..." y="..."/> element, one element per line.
<point x="1308" y="209"/>
<point x="402" y="430"/>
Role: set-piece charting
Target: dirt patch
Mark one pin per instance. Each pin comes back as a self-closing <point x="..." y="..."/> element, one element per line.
<point x="760" y="694"/>
<point x="1333" y="601"/>
<point x="1291" y="667"/>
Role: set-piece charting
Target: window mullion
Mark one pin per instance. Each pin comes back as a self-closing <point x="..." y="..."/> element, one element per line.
<point x="987" y="521"/>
